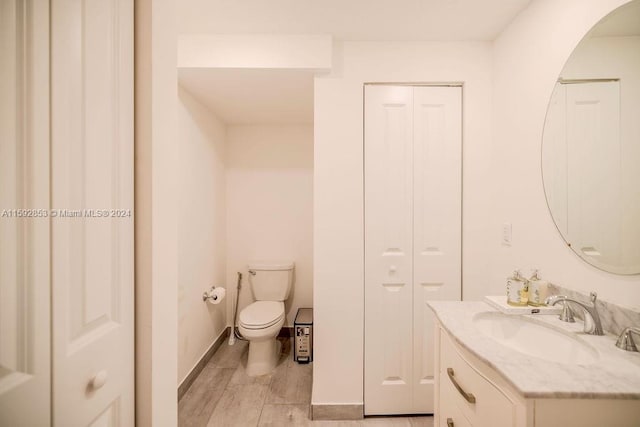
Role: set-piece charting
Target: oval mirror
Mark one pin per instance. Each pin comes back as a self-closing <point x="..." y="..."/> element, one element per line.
<point x="591" y="145"/>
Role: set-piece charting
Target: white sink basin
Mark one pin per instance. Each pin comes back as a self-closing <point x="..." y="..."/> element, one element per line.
<point x="535" y="339"/>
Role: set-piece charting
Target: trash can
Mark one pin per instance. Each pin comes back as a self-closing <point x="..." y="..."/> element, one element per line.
<point x="303" y="334"/>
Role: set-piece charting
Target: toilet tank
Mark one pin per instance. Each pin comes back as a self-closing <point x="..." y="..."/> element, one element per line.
<point x="271" y="280"/>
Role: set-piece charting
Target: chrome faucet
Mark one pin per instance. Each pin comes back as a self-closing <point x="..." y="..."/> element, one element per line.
<point x="592" y="323"/>
<point x="625" y="341"/>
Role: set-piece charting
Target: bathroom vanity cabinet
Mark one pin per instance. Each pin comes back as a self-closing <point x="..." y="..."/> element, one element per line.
<point x="484" y="398"/>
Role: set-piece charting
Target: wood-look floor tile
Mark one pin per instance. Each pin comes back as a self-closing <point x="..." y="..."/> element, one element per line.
<point x="387" y="421"/>
<point x="291" y="382"/>
<point x="239" y="406"/>
<point x="229" y="356"/>
<point x="378" y="421"/>
<point x="199" y="402"/>
<point x="284" y="415"/>
<point x="337" y="423"/>
<point x="426" y="421"/>
<point x="224" y="396"/>
<point x="240" y="377"/>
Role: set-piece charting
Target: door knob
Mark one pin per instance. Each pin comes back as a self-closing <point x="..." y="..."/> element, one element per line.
<point x="98" y="380"/>
<point x="393" y="269"/>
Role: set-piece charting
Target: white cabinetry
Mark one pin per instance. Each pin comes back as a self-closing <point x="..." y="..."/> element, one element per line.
<point x="412" y="189"/>
<point x="466" y="395"/>
<point x="485" y="399"/>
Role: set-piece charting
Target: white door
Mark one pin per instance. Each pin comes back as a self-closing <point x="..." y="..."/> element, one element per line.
<point x="437" y="223"/>
<point x="92" y="195"/>
<point x="412" y="237"/>
<point x="594" y="180"/>
<point x="388" y="195"/>
<point x="25" y="391"/>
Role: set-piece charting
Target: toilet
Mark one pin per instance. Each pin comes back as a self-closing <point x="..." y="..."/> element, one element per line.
<point x="261" y="321"/>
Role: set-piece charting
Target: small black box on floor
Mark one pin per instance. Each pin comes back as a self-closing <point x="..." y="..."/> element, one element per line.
<point x="303" y="336"/>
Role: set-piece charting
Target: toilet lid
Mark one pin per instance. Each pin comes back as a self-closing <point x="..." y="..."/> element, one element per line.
<point x="262" y="314"/>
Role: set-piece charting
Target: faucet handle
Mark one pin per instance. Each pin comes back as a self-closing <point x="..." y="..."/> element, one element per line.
<point x="593" y="296"/>
<point x="625" y="340"/>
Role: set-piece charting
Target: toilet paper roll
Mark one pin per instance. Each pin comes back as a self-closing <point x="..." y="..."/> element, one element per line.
<point x="217" y="295"/>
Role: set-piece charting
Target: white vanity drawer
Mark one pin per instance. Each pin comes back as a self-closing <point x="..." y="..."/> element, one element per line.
<point x="450" y="414"/>
<point x="491" y="407"/>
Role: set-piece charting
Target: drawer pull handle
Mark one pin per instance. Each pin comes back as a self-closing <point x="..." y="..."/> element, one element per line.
<point x="468" y="396"/>
<point x="450" y="422"/>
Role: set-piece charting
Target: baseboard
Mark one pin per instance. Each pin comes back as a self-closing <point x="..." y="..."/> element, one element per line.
<point x="186" y="383"/>
<point x="337" y="412"/>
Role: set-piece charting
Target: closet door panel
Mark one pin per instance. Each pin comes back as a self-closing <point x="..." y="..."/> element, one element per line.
<point x="25" y="368"/>
<point x="437" y="213"/>
<point x="92" y="194"/>
<point x="388" y="249"/>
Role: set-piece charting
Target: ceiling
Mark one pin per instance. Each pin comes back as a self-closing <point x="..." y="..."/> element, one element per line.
<point x="249" y="96"/>
<point x="375" y="20"/>
<point x="252" y="96"/>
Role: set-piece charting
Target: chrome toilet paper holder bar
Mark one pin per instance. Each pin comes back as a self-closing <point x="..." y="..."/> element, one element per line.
<point x="207" y="295"/>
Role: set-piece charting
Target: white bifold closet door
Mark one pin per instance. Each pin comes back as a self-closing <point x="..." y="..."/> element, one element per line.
<point x="92" y="194"/>
<point x="66" y="219"/>
<point x="25" y="358"/>
<point x="413" y="208"/>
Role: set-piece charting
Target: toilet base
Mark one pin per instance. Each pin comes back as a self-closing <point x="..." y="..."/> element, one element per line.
<point x="263" y="357"/>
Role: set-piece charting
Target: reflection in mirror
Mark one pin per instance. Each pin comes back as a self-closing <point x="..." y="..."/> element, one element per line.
<point x="591" y="145"/>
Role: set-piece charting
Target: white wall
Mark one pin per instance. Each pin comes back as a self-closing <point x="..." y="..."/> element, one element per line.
<point x="270" y="206"/>
<point x="338" y="191"/>
<point x="528" y="57"/>
<point x="254" y="51"/>
<point x="201" y="229"/>
<point x="156" y="213"/>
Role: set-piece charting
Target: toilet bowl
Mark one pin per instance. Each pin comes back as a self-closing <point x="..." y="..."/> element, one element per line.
<point x="261" y="321"/>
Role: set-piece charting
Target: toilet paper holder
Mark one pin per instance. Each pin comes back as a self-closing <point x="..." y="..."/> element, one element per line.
<point x="209" y="295"/>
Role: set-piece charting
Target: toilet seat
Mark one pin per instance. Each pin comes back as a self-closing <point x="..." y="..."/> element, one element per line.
<point x="262" y="314"/>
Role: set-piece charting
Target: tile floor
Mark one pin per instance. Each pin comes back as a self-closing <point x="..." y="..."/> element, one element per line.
<point x="224" y="396"/>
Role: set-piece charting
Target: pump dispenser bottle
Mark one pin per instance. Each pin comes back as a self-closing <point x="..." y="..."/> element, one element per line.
<point x="517" y="290"/>
<point x="538" y="290"/>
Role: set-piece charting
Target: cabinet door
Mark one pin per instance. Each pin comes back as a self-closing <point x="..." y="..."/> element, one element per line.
<point x="388" y="189"/>
<point x="437" y="223"/>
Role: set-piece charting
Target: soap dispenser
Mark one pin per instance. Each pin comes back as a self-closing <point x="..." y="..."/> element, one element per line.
<point x="517" y="290"/>
<point x="538" y="290"/>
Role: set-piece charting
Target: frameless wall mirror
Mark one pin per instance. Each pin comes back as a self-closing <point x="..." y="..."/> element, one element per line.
<point x="591" y="145"/>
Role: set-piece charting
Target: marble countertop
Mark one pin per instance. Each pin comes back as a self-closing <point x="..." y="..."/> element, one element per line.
<point x="616" y="375"/>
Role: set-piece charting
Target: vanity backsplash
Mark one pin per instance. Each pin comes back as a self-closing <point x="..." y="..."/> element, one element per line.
<point x="614" y="318"/>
